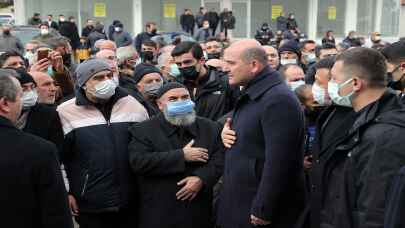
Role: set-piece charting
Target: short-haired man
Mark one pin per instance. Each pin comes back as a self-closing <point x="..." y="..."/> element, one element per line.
<point x="395" y="56"/>
<point x="95" y="152"/>
<point x="149" y="52"/>
<point x="263" y="176"/>
<point x="352" y="179"/>
<point x="272" y="56"/>
<point x="293" y="75"/>
<point x="210" y="90"/>
<point x="213" y="48"/>
<point x="33" y="192"/>
<point x="150" y="32"/>
<point x="178" y="158"/>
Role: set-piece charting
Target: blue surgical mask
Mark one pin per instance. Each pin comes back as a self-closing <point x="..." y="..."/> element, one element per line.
<point x="174" y="70"/>
<point x="180" y="108"/>
<point x="333" y="90"/>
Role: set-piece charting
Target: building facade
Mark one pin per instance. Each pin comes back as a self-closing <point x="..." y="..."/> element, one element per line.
<point x="314" y="17"/>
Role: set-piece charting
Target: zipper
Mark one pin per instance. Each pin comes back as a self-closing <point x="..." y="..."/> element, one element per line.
<point x="85" y="184"/>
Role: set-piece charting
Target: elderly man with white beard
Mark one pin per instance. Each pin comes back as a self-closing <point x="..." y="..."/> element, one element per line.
<point x="178" y="158"/>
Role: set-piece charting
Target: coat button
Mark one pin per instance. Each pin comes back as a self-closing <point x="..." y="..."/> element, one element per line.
<point x="313" y="186"/>
<point x="318" y="161"/>
<point x="356" y="139"/>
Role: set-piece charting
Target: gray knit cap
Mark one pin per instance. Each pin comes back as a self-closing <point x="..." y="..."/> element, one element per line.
<point x="88" y="68"/>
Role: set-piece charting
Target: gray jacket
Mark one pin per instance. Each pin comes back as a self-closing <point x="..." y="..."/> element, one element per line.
<point x="10" y="42"/>
<point x="122" y="39"/>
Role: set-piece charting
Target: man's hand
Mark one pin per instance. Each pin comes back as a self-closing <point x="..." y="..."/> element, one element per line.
<point x="308" y="162"/>
<point x="192" y="185"/>
<point x="258" y="222"/>
<point x="40" y="66"/>
<point x="195" y="154"/>
<point x="228" y="135"/>
<point x="73" y="205"/>
<point x="57" y="61"/>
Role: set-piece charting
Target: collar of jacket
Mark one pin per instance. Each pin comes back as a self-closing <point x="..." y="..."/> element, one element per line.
<point x="263" y="81"/>
<point x="381" y="111"/>
<point x="81" y="99"/>
<point x="4" y="122"/>
<point x="171" y="129"/>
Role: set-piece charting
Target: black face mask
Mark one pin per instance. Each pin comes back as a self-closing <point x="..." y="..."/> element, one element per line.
<point x="6" y="32"/>
<point x="214" y="55"/>
<point x="67" y="60"/>
<point x="395" y="85"/>
<point x="147" y="56"/>
<point x="189" y="73"/>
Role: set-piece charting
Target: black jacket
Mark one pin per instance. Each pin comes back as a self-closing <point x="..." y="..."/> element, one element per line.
<point x="69" y="30"/>
<point x="332" y="126"/>
<point x="95" y="150"/>
<point x="263" y="172"/>
<point x="213" y="18"/>
<point x="187" y="20"/>
<point x="43" y="121"/>
<point x="129" y="85"/>
<point x="366" y="158"/>
<point x="142" y="37"/>
<point x="395" y="206"/>
<point x="156" y="156"/>
<point x="87" y="30"/>
<point x="214" y="96"/>
<point x="33" y="193"/>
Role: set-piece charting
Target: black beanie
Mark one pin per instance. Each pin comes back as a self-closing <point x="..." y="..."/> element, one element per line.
<point x="291" y="46"/>
<point x="24" y="76"/>
<point x="169" y="86"/>
<point x="144" y="69"/>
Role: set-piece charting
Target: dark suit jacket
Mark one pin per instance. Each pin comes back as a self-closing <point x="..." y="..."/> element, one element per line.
<point x="43" y="121"/>
<point x="157" y="158"/>
<point x="263" y="172"/>
<point x="33" y="193"/>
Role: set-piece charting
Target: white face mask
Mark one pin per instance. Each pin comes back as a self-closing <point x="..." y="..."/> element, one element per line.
<point x="310" y="57"/>
<point x="29" y="99"/>
<point x="104" y="90"/>
<point x="30" y="57"/>
<point x="319" y="94"/>
<point x="44" y="31"/>
<point x="117" y="29"/>
<point x="288" y="61"/>
<point x="294" y="85"/>
<point x="333" y="90"/>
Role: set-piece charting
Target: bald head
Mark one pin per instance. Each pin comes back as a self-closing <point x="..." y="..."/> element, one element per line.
<point x="244" y="60"/>
<point x="107" y="45"/>
<point x="46" y="87"/>
<point x="242" y="45"/>
<point x="111" y="58"/>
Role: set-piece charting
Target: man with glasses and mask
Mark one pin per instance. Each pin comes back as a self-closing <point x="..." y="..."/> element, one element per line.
<point x="208" y="87"/>
<point x="95" y="149"/>
<point x="178" y="158"/>
<point x="395" y="55"/>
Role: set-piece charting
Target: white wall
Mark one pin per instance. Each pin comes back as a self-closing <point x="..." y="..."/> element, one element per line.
<point x="402" y="22"/>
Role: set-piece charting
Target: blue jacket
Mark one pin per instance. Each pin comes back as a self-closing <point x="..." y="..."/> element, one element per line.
<point x="95" y="150"/>
<point x="263" y="172"/>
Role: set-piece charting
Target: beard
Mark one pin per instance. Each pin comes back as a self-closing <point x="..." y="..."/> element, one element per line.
<point x="180" y="121"/>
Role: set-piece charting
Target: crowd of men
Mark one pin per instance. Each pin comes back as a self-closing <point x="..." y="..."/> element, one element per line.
<point x="204" y="134"/>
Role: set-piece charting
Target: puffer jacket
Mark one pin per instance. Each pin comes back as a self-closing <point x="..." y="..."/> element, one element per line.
<point x="95" y="150"/>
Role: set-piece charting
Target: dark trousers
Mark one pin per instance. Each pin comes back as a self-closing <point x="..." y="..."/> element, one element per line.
<point x="122" y="219"/>
<point x="214" y="29"/>
<point x="188" y="29"/>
